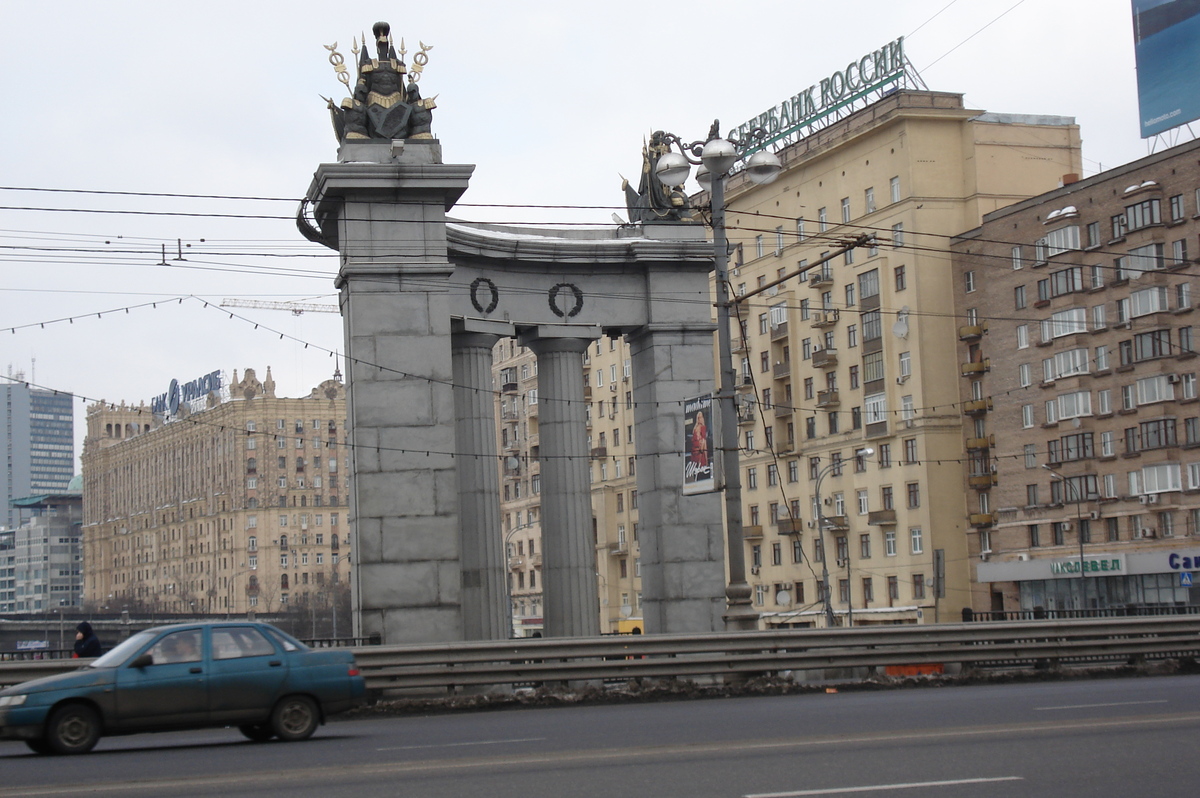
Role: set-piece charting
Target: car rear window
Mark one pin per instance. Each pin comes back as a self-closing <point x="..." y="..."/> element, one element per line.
<point x="240" y="642"/>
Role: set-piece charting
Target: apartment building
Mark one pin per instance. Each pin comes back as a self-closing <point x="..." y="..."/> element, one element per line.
<point x="39" y="433"/>
<point x="230" y="503"/>
<point x="1078" y="387"/>
<point x="848" y="407"/>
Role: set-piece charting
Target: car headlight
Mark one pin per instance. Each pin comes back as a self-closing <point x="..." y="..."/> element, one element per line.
<point x="13" y="700"/>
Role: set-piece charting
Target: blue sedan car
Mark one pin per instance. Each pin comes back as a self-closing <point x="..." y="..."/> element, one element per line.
<point x="186" y="676"/>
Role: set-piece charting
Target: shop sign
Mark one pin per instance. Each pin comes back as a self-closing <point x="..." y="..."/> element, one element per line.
<point x="861" y="76"/>
<point x="1102" y="565"/>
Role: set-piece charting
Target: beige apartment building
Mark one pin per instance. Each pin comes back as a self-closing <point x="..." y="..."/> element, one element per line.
<point x="605" y="370"/>
<point x="1078" y="386"/>
<point x="849" y="372"/>
<point x="233" y="502"/>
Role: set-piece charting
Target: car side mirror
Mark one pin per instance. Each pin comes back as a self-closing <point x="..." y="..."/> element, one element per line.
<point x="142" y="661"/>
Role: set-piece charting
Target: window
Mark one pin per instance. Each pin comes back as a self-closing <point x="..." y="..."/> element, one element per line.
<point x="915" y="538"/>
<point x="1016" y="258"/>
<point x="1145" y="259"/>
<point x="1143" y="214"/>
<point x="918" y="586"/>
<point x="822" y="220"/>
<point x="869" y="199"/>
<point x="894" y="189"/>
<point x="1147" y="301"/>
<point x="1019" y="297"/>
<point x="1022" y="336"/>
<point x="1156" y="343"/>
<point x="875" y="407"/>
<point x="845" y="210"/>
<point x="898" y="235"/>
<point x="913" y="490"/>
<point x="901" y="278"/>
<point x="889" y="542"/>
<point x="1025" y="374"/>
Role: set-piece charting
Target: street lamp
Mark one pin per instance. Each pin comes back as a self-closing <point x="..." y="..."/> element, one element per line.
<point x="828" y="592"/>
<point x="1078" y="532"/>
<point x="716" y="156"/>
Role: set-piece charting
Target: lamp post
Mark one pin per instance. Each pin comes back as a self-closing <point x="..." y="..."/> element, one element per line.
<point x="717" y="156"/>
<point x="1078" y="533"/>
<point x="827" y="592"/>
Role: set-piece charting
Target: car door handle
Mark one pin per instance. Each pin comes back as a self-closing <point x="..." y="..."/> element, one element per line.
<point x="195" y="670"/>
<point x="275" y="663"/>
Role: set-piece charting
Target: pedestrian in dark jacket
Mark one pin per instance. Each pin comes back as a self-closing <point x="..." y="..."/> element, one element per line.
<point x="86" y="642"/>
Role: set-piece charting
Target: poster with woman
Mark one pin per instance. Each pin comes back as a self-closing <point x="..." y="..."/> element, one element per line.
<point x="698" y="474"/>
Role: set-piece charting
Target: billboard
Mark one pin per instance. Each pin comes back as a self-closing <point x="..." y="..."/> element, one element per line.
<point x="698" y="474"/>
<point x="1166" y="37"/>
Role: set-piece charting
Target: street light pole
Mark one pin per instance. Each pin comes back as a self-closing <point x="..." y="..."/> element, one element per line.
<point x="1078" y="533"/>
<point x="717" y="156"/>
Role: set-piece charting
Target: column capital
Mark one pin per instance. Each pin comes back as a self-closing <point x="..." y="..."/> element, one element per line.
<point x="546" y="338"/>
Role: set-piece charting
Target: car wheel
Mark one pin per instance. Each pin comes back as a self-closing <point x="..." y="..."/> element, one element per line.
<point x="73" y="729"/>
<point x="259" y="732"/>
<point x="295" y="718"/>
<point x="38" y="746"/>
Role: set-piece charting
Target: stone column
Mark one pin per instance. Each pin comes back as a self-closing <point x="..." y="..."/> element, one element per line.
<point x="571" y="605"/>
<point x="486" y="615"/>
<point x="682" y="537"/>
<point x="383" y="208"/>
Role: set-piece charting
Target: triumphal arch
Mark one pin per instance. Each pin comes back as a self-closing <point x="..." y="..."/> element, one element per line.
<point x="424" y="299"/>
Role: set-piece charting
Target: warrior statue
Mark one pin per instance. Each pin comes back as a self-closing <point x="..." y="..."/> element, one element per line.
<point x="380" y="107"/>
<point x="654" y="202"/>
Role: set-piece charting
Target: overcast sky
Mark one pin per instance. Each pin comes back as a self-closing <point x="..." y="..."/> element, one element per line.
<point x="549" y="101"/>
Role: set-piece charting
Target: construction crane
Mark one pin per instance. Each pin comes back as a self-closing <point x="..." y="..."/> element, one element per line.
<point x="297" y="308"/>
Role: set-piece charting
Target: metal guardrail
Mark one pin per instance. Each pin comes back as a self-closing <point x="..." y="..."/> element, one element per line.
<point x="449" y="666"/>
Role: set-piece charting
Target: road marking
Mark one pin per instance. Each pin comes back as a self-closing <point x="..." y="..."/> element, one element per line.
<point x="1094" y="706"/>
<point x="882" y="787"/>
<point x="461" y="745"/>
<point x="330" y="774"/>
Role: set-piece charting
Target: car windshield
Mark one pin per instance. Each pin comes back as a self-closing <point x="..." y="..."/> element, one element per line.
<point x="123" y="651"/>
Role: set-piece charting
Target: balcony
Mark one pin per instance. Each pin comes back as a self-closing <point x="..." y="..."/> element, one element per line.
<point x="971" y="332"/>
<point x="746" y="415"/>
<point x="782" y="370"/>
<point x="822" y="279"/>
<point x="789" y="526"/>
<point x="828" y="399"/>
<point x="508" y="387"/>
<point x="987" y="442"/>
<point x="976" y="367"/>
<point x="779" y="332"/>
<point x="535" y="560"/>
<point x="982" y="481"/>
<point x="599" y="451"/>
<point x="825" y="357"/>
<point x="825" y="318"/>
<point x="516" y="563"/>
<point x="982" y="519"/>
<point x="746" y="383"/>
<point x="836" y="523"/>
<point x="618" y="548"/>
<point x="752" y="532"/>
<point x="782" y="411"/>
<point x="977" y="407"/>
<point x="878" y="429"/>
<point x="881" y="517"/>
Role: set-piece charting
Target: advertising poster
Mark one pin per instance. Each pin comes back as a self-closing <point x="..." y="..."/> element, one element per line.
<point x="1166" y="37"/>
<point x="698" y="474"/>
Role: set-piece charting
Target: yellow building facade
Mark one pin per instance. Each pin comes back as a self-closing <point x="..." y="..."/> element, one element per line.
<point x="848" y="370"/>
<point x="236" y="504"/>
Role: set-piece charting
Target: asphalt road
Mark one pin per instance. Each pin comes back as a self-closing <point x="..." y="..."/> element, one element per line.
<point x="1126" y="737"/>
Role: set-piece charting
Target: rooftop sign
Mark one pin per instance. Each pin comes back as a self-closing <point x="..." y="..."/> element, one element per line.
<point x="873" y="71"/>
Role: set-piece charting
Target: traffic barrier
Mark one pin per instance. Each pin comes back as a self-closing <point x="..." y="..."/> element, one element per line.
<point x="449" y="666"/>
